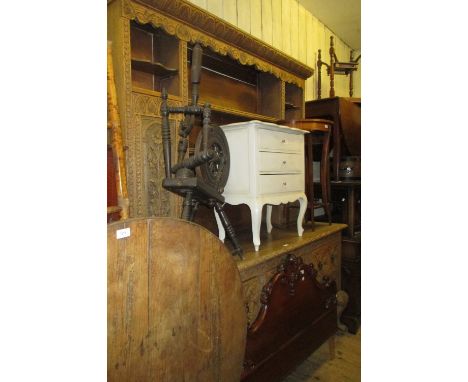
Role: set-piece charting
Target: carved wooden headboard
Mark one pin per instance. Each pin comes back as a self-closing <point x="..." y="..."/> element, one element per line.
<point x="297" y="315"/>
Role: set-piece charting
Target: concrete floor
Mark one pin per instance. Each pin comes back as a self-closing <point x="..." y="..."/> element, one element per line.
<point x="345" y="367"/>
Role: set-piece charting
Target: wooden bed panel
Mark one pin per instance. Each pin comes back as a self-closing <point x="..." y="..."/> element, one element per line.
<point x="297" y="315"/>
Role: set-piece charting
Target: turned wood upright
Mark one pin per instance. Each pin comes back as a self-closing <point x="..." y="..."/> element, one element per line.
<point x="335" y="67"/>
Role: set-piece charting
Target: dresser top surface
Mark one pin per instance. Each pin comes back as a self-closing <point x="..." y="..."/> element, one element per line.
<point x="282" y="241"/>
<point x="263" y="125"/>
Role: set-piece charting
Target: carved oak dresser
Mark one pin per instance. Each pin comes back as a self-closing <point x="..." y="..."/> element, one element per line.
<point x="242" y="78"/>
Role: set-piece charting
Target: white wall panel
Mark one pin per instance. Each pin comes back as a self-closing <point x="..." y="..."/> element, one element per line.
<point x="294" y="17"/>
<point x="302" y="35"/>
<point x="267" y="24"/>
<point x="310" y="55"/>
<point x="286" y="23"/>
<point x="277" y="26"/>
<point x="243" y="15"/>
<point x="200" y="3"/>
<point x="230" y="11"/>
<point x="256" y="18"/>
<point x="289" y="27"/>
<point x="215" y="7"/>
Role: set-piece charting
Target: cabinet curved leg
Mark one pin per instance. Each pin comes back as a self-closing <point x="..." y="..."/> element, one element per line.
<point x="256" y="213"/>
<point x="268" y="218"/>
<point x="302" y="210"/>
<point x="221" y="231"/>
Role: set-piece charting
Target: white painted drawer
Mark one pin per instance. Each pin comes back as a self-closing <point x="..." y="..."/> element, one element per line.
<point x="269" y="162"/>
<point x="274" y="184"/>
<point x="269" y="140"/>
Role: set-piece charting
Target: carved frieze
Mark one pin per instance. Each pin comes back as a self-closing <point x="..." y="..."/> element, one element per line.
<point x="191" y="24"/>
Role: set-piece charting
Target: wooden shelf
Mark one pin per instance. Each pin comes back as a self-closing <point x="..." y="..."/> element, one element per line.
<point x="155" y="93"/>
<point x="155" y="68"/>
<point x="241" y="113"/>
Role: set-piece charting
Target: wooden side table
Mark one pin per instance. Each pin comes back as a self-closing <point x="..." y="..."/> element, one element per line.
<point x="267" y="168"/>
<point x="312" y="126"/>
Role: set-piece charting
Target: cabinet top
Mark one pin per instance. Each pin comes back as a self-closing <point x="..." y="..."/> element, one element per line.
<point x="263" y="125"/>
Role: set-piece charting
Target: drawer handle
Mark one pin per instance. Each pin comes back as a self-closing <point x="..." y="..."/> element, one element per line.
<point x="283" y="141"/>
<point x="284" y="162"/>
<point x="284" y="183"/>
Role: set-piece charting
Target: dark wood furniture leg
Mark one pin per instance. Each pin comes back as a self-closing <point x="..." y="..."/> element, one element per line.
<point x="310" y="196"/>
<point x="351" y="210"/>
<point x="336" y="148"/>
<point x="319" y="75"/>
<point x="324" y="175"/>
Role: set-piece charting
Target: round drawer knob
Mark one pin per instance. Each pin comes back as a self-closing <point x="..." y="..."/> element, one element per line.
<point x="283" y="141"/>
<point x="284" y="183"/>
<point x="284" y="162"/>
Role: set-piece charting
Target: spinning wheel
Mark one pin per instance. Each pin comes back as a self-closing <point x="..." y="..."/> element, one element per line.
<point x="199" y="178"/>
<point x="215" y="172"/>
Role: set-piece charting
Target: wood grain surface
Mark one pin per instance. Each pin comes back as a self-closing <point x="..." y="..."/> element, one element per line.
<point x="345" y="367"/>
<point x="175" y="304"/>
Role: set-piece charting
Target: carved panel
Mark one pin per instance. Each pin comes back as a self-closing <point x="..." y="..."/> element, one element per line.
<point x="127" y="70"/>
<point x="209" y="26"/>
<point x="325" y="259"/>
<point x="145" y="162"/>
<point x="183" y="72"/>
<point x="158" y="199"/>
<point x="252" y="290"/>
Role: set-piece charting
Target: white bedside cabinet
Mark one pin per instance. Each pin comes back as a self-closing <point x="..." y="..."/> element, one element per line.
<point x="267" y="167"/>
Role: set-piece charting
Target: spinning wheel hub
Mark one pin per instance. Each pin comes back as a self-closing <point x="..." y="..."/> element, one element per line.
<point x="215" y="172"/>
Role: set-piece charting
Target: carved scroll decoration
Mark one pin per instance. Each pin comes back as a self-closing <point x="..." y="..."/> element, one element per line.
<point x="290" y="271"/>
<point x="211" y="24"/>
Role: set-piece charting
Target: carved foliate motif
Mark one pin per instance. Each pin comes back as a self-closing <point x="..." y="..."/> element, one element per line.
<point x="291" y="270"/>
<point x="159" y="203"/>
<point x="183" y="72"/>
<point x="127" y="70"/>
<point x="146" y="164"/>
<point x="252" y="290"/>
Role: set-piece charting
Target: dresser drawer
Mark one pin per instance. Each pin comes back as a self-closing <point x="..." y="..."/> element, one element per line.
<point x="274" y="184"/>
<point x="269" y="162"/>
<point x="269" y="140"/>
